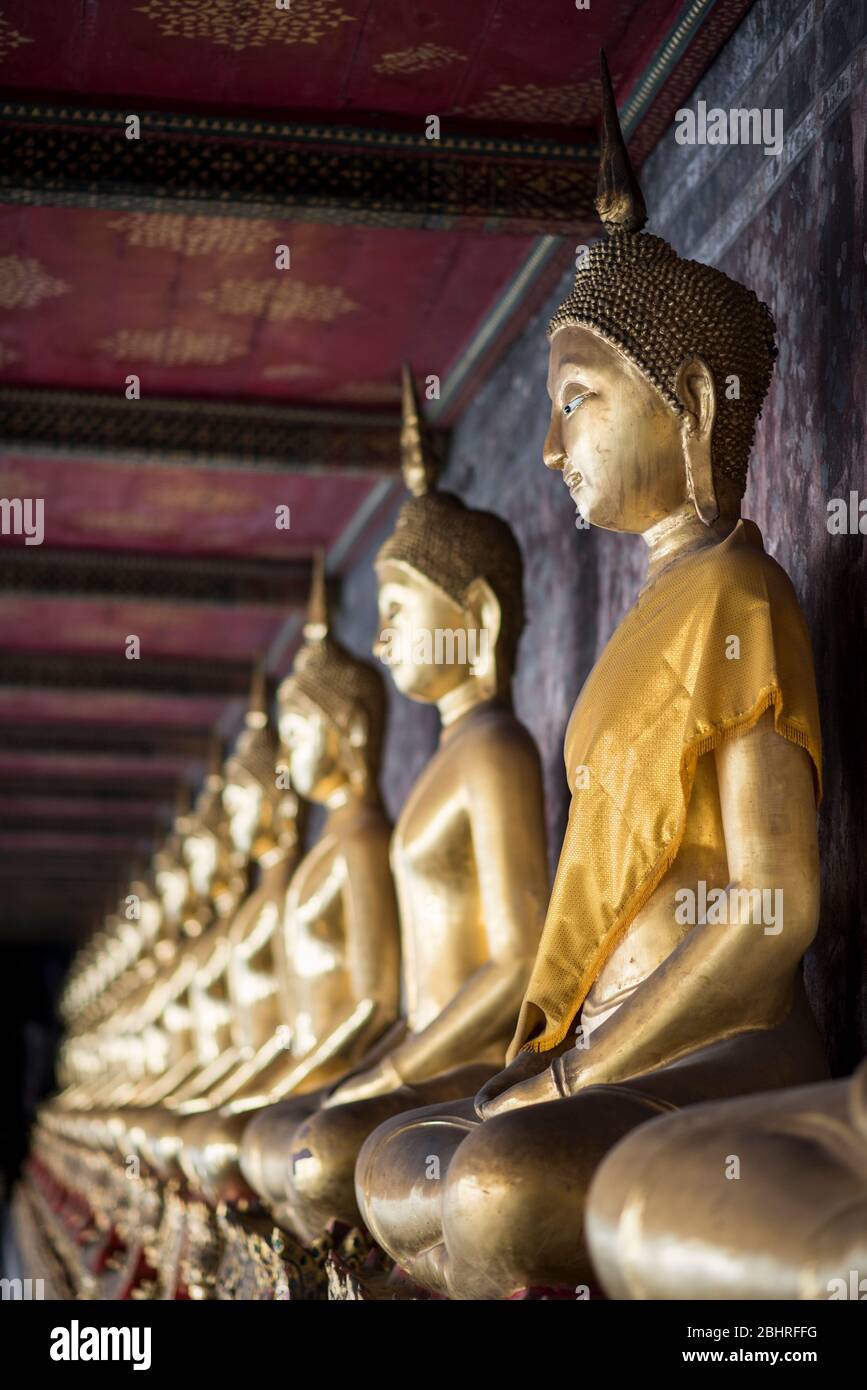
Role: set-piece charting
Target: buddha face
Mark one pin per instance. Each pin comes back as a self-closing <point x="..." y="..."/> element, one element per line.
<point x="426" y="640"/>
<point x="243" y="805"/>
<point x="312" y="744"/>
<point x="614" y="438"/>
<point x="200" y="852"/>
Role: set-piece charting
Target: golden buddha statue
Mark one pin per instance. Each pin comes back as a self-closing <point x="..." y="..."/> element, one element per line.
<point x="110" y="1016"/>
<point x="764" y="1197"/>
<point x="252" y="827"/>
<point x="264" y="818"/>
<point x="666" y="973"/>
<point x="81" y="1132"/>
<point x="235" y="984"/>
<point x="468" y="852"/>
<point x="107" y="971"/>
<point x="218" y="882"/>
<point x="200" y="886"/>
<point x="115" y="959"/>
<point x="244" y="816"/>
<point x="334" y="939"/>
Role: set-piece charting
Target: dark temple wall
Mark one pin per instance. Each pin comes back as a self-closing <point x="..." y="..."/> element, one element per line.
<point x="791" y="227"/>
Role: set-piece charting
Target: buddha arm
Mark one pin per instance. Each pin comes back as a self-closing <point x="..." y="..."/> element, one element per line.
<point x="721" y="979"/>
<point x="506" y="829"/>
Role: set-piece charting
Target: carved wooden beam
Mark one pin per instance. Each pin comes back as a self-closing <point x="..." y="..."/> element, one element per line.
<point x="95" y="424"/>
<point x="78" y="156"/>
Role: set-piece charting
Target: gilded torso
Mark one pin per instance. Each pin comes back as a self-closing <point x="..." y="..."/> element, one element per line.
<point x="485" y="773"/>
<point x="315" y="946"/>
<point x="253" y="968"/>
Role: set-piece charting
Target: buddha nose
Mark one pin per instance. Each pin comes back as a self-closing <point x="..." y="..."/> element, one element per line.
<point x="552" y="451"/>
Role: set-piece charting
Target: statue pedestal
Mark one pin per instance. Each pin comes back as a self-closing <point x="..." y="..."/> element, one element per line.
<point x="199" y="1253"/>
<point x="38" y="1253"/>
<point x="48" y="1249"/>
<point x="168" y="1246"/>
<point x="260" y="1261"/>
<point x="371" y="1277"/>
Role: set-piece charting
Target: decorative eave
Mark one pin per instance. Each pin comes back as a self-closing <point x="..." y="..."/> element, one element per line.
<point x="78" y="156"/>
<point x="95" y="424"/>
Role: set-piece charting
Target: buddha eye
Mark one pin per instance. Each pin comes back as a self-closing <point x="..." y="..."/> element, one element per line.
<point x="571" y="406"/>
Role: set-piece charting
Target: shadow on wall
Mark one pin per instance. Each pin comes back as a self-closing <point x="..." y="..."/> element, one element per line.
<point x="837" y="965"/>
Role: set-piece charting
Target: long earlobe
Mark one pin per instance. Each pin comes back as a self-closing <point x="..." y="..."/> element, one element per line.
<point x="696" y="391"/>
<point x="699" y="476"/>
<point x="485" y="604"/>
<point x="356" y="741"/>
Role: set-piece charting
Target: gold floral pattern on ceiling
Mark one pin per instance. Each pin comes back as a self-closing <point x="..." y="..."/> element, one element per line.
<point x="242" y="24"/>
<point x="195" y="236"/>
<point x="172" y="347"/>
<point x="368" y="392"/>
<point x="424" y="58"/>
<point x="203" y="496"/>
<point x="108" y="630"/>
<point x="279" y="300"/>
<point x="10" y="38"/>
<point x="15" y="485"/>
<point x="134" y="523"/>
<point x="555" y="105"/>
<point x="290" y="371"/>
<point x="24" y="283"/>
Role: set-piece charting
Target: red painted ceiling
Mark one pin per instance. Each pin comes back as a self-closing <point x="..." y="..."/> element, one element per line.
<point x="195" y="306"/>
<point x="531" y="63"/>
<point x="94" y="504"/>
<point x="163" y="629"/>
<point x="102" y="708"/>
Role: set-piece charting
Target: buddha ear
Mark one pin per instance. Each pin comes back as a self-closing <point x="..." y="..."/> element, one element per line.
<point x="697" y="394"/>
<point x="356" y="739"/>
<point x="485" y="607"/>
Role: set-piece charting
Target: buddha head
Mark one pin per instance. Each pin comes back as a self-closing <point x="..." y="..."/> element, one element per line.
<point x="262" y="814"/>
<point x="331" y="712"/>
<point x="451" y="601"/>
<point x="658" y="369"/>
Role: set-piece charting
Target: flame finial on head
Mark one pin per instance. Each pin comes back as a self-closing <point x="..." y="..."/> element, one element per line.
<point x="214" y="774"/>
<point x="317" y="623"/>
<point x="619" y="200"/>
<point x="255" y="752"/>
<point x="418" y="461"/>
<point x="183" y="801"/>
<point x="257" y="710"/>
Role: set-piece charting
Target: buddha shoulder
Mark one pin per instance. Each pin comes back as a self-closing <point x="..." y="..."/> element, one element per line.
<point x="368" y="831"/>
<point x="740" y="566"/>
<point x="492" y="743"/>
